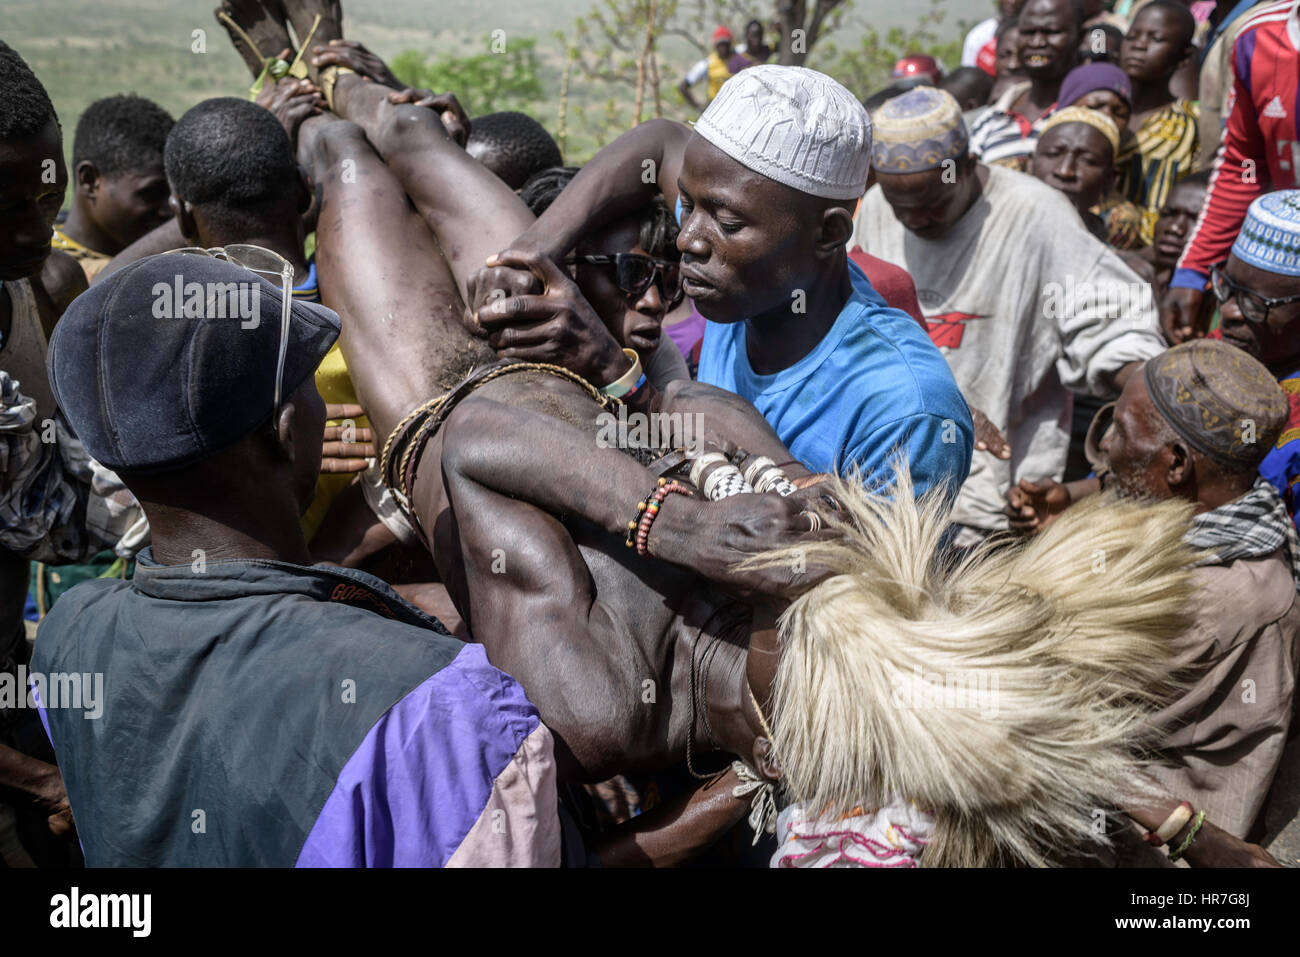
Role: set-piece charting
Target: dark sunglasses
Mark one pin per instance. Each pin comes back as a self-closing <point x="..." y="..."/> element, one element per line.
<point x="636" y="272"/>
<point x="1253" y="306"/>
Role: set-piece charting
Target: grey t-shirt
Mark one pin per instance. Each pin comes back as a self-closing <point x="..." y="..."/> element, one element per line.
<point x="666" y="364"/>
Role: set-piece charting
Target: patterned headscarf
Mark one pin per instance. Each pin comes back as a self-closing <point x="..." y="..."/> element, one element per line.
<point x="1081" y="114"/>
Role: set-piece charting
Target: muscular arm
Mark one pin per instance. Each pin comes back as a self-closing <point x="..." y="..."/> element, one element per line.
<point x="532" y="457"/>
<point x="471" y="212"/>
<point x="620" y="179"/>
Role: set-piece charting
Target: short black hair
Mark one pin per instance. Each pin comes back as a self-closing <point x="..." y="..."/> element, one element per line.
<point x="121" y="133"/>
<point x="1179" y="12"/>
<point x="522" y="144"/>
<point x="1076" y="6"/>
<point x="658" y="230"/>
<point x="968" y="81"/>
<point x="25" y="107"/>
<point x="754" y="23"/>
<point x="231" y="155"/>
<point x="1005" y="24"/>
<point x="878" y="99"/>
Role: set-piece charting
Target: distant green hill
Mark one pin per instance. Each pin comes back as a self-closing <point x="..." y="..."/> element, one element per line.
<point x="86" y="49"/>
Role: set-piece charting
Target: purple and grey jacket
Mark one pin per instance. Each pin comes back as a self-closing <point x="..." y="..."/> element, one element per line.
<point x="259" y="713"/>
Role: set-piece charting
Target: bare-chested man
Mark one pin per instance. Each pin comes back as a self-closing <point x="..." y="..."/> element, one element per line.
<point x="525" y="513"/>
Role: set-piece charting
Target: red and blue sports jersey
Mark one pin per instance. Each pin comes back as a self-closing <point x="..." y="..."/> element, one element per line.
<point x="1282" y="464"/>
<point x="1260" y="151"/>
<point x="1281" y="467"/>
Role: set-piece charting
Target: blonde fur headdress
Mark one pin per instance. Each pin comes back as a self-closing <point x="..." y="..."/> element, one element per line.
<point x="1008" y="694"/>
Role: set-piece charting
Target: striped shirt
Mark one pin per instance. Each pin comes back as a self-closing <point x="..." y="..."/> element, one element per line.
<point x="1260" y="151"/>
<point x="1162" y="153"/>
<point x="1003" y="137"/>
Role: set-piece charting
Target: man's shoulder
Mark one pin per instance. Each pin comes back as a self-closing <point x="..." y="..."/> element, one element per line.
<point x="892" y="355"/>
<point x="349" y="621"/>
<point x="1268" y="16"/>
<point x="1269" y="582"/>
<point x="1015" y="191"/>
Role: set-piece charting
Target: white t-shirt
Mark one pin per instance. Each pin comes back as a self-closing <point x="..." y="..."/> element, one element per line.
<point x="980" y="34"/>
<point x="1026" y="305"/>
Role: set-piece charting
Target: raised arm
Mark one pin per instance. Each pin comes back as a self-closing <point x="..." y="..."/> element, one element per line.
<point x="471" y="212"/>
<point x="623" y="177"/>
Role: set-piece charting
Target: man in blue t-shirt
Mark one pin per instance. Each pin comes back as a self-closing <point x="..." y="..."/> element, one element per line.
<point x="764" y="188"/>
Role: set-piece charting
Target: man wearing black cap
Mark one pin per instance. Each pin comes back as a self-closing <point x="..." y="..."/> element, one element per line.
<point x="380" y="740"/>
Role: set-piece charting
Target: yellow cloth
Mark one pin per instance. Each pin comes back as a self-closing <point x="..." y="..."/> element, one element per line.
<point x="335" y="386"/>
<point x="719" y="73"/>
<point x="90" y="261"/>
<point x="1162" y="153"/>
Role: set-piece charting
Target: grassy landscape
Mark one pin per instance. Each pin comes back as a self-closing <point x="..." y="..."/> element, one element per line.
<point x="86" y="49"/>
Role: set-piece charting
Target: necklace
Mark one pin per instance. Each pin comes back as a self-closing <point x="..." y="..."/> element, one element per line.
<point x="700" y="695"/>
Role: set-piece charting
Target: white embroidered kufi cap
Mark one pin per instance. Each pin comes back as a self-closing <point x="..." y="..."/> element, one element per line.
<point x="793" y="125"/>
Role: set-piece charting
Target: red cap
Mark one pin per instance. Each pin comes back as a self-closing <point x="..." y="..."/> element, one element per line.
<point x="722" y="33"/>
<point x="918" y="65"/>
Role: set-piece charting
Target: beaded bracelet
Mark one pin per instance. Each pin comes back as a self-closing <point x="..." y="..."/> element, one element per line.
<point x="649" y="508"/>
<point x="1191" y="836"/>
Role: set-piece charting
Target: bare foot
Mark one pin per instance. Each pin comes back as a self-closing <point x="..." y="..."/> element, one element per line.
<point x="262" y="22"/>
<point x="302" y="14"/>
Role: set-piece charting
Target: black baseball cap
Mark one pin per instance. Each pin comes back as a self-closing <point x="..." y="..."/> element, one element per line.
<point x="174" y="358"/>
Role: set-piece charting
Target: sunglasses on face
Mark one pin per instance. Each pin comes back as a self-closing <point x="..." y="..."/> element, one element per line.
<point x="636" y="272"/>
<point x="261" y="260"/>
<point x="1254" y="307"/>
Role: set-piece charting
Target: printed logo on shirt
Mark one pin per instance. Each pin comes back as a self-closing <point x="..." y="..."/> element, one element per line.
<point x="946" y="330"/>
<point x="1275" y="110"/>
<point x="356" y="594"/>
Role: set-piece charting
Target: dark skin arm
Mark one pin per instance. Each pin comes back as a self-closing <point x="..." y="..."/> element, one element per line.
<point x="684" y="89"/>
<point x="709" y="538"/>
<point x="675" y="832"/>
<point x="1213" y="847"/>
<point x="612" y="185"/>
<point x="469" y="209"/>
<point x="39" y="783"/>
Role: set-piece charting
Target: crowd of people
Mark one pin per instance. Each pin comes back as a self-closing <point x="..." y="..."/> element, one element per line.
<point x="889" y="482"/>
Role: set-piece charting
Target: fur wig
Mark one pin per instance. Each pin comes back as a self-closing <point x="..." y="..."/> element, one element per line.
<point x="1008" y="692"/>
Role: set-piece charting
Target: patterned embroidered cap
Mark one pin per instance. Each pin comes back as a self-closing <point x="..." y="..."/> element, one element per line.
<point x="1081" y="114"/>
<point x="793" y="125"/>
<point x="1223" y="402"/>
<point x="918" y="131"/>
<point x="1270" y="236"/>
